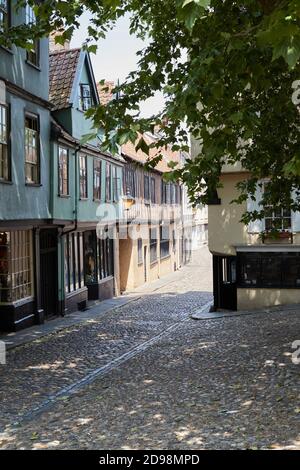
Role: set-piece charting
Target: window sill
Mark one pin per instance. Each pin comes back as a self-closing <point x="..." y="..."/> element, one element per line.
<point x="64" y="196"/>
<point x="34" y="185"/>
<point x="83" y="199"/>
<point x="6" y="182"/>
<point x="97" y="200"/>
<point x="6" y="49"/>
<point x="162" y="258"/>
<point x="36" y="67"/>
<point x="153" y="263"/>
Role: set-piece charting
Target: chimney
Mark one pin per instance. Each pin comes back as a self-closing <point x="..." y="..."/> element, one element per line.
<point x="53" y="47"/>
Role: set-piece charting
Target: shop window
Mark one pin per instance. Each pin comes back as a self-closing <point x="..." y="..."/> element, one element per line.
<point x="74" y="278"/>
<point x="274" y="270"/>
<point x="16" y="278"/>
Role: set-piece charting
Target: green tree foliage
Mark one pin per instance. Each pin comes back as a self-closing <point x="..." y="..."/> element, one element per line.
<point x="228" y="70"/>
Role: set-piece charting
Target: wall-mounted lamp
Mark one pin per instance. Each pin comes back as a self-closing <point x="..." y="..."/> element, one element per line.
<point x="128" y="201"/>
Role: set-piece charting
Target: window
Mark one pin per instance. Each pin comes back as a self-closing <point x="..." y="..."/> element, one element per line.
<point x="32" y="149"/>
<point x="140" y="250"/>
<point x="74" y="268"/>
<point x="108" y="183"/>
<point x="130" y="181"/>
<point x="116" y="185"/>
<point x="4" y="15"/>
<point x="33" y="55"/>
<point x="164" y="231"/>
<point x="152" y="189"/>
<point x="97" y="179"/>
<point x="165" y="192"/>
<point x="85" y="97"/>
<point x="63" y="169"/>
<point x="83" y="176"/>
<point x="277" y="219"/>
<point x="105" y="257"/>
<point x="15" y="266"/>
<point x="153" y="244"/>
<point x="146" y="188"/>
<point x="4" y="148"/>
<point x="269" y="270"/>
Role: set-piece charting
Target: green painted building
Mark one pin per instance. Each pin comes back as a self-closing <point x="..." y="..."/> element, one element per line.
<point x="24" y="172"/>
<point x="86" y="190"/>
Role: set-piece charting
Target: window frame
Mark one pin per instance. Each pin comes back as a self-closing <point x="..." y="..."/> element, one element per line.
<point x="129" y="181"/>
<point x="152" y="190"/>
<point x="140" y="260"/>
<point x="6" y="15"/>
<point x="7" y="144"/>
<point x="153" y="245"/>
<point x="83" y="98"/>
<point x="19" y="258"/>
<point x="261" y="281"/>
<point x="97" y="175"/>
<point x="147" y="189"/>
<point x="108" y="186"/>
<point x="164" y="243"/>
<point x="83" y="177"/>
<point x="32" y="56"/>
<point x="61" y="192"/>
<point x="35" y="118"/>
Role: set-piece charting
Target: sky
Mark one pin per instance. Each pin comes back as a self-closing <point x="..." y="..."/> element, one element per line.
<point x="116" y="57"/>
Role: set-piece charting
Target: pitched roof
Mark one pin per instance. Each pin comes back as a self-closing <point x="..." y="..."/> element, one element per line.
<point x="105" y="92"/>
<point x="63" y="66"/>
<point x="128" y="150"/>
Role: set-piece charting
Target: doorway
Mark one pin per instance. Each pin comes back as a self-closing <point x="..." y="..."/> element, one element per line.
<point x="225" y="287"/>
<point x="48" y="272"/>
<point x="145" y="264"/>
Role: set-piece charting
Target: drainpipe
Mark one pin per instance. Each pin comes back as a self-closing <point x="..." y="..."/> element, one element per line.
<point x="75" y="212"/>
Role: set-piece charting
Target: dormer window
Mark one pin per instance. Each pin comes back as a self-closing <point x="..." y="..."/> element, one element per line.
<point x="4" y="15"/>
<point x="85" y="97"/>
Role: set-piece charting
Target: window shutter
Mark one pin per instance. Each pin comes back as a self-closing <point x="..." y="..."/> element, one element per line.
<point x="256" y="226"/>
<point x="295" y="220"/>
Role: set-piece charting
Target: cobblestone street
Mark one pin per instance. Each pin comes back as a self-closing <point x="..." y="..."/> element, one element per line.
<point x="147" y="376"/>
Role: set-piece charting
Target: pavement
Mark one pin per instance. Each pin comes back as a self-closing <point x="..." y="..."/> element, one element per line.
<point x="148" y="376"/>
